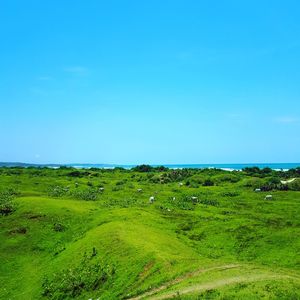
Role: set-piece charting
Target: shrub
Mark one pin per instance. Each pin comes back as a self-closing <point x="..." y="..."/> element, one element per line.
<point x="208" y="182"/>
<point x="58" y="191"/>
<point x="273" y="180"/>
<point x="7" y="205"/>
<point x="295" y="185"/>
<point x="143" y="168"/>
<point x="232" y="178"/>
<point x="161" y="168"/>
<point x="253" y="183"/>
<point x="155" y="179"/>
<point x="77" y="173"/>
<point x="183" y="202"/>
<point x="117" y="188"/>
<point x="74" y="174"/>
<point x="121" y="182"/>
<point x="209" y="202"/>
<point x="86" y="194"/>
<point x="266" y="188"/>
<point x="230" y="194"/>
<point x="58" y="227"/>
<point x="89" y="275"/>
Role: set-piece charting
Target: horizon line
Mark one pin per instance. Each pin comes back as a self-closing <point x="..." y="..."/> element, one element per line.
<point x="145" y="163"/>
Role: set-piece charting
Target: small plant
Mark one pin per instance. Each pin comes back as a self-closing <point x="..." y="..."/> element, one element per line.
<point x="88" y="275"/>
<point x="230" y="194"/>
<point x="58" y="227"/>
<point x="209" y="202"/>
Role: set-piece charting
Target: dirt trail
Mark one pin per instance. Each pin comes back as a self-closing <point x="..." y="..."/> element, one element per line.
<point x="183" y="277"/>
<point x="287" y="181"/>
<point x="216" y="284"/>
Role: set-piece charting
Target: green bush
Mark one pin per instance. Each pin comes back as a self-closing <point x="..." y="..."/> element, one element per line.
<point x="58" y="227"/>
<point x="7" y="205"/>
<point x="229" y="194"/>
<point x="121" y="182"/>
<point x="209" y="202"/>
<point x="143" y="168"/>
<point x="208" y="182"/>
<point x="182" y="202"/>
<point x="226" y="178"/>
<point x="253" y="183"/>
<point x="58" y="191"/>
<point x="89" y="275"/>
<point x="86" y="194"/>
<point x="295" y="185"/>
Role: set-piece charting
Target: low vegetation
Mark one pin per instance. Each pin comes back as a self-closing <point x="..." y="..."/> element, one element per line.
<point x="149" y="233"/>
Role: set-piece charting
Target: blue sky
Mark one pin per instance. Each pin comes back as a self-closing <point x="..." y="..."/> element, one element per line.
<point x="150" y="81"/>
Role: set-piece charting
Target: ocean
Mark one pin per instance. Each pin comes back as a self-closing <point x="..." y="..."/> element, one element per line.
<point x="229" y="167"/>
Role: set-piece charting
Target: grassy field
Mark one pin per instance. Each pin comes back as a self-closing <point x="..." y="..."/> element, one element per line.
<point x="94" y="234"/>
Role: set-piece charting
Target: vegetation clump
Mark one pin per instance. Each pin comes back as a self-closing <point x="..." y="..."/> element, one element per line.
<point x="88" y="194"/>
<point x="58" y="227"/>
<point x="148" y="168"/>
<point x="7" y="204"/>
<point x="58" y="191"/>
<point x="89" y="275"/>
<point x="294" y="186"/>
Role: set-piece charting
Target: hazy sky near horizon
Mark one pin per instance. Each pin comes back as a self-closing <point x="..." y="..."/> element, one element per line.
<point x="150" y="81"/>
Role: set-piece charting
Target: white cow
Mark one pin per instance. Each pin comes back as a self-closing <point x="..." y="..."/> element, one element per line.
<point x="151" y="199"/>
<point x="268" y="197"/>
<point x="194" y="199"/>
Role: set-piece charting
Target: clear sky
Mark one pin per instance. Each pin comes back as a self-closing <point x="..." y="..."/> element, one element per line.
<point x="149" y="81"/>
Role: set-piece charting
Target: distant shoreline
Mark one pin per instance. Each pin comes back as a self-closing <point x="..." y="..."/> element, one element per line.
<point x="226" y="167"/>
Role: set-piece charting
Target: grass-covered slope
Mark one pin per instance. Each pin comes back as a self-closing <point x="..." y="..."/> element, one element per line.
<point x="93" y="234"/>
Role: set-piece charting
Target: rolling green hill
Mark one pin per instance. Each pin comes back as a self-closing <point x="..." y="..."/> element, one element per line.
<point x="94" y="234"/>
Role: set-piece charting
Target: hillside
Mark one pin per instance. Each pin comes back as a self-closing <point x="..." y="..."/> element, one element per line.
<point x="94" y="234"/>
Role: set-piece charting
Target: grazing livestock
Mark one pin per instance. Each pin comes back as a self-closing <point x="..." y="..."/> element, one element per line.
<point x="257" y="190"/>
<point x="194" y="199"/>
<point x="151" y="199"/>
<point x="101" y="189"/>
<point x="269" y="197"/>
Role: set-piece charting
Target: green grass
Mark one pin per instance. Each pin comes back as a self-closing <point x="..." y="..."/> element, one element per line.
<point x="65" y="238"/>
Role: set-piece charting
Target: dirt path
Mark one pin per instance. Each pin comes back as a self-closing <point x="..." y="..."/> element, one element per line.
<point x="183" y="277"/>
<point x="216" y="284"/>
<point x="287" y="181"/>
